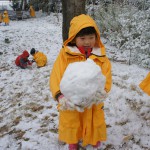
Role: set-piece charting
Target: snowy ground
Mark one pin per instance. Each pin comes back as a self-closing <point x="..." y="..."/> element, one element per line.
<point x="28" y="113"/>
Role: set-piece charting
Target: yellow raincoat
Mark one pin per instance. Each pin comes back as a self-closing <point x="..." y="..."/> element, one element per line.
<point x="88" y="125"/>
<point x="32" y="12"/>
<point x="1" y="18"/>
<point x="145" y="84"/>
<point x="40" y="59"/>
<point x="6" y="17"/>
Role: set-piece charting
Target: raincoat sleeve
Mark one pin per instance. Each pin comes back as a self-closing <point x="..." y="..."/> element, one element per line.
<point x="106" y="70"/>
<point x="108" y="77"/>
<point x="145" y="84"/>
<point x="56" y="74"/>
<point x="36" y="57"/>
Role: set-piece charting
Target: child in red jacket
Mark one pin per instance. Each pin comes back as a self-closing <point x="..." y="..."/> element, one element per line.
<point x="22" y="60"/>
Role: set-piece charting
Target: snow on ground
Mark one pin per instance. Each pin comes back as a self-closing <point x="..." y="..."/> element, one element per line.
<point x="28" y="113"/>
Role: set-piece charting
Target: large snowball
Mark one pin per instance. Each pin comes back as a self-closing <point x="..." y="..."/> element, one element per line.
<point x="81" y="80"/>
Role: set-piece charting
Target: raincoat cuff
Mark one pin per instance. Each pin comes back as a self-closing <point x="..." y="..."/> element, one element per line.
<point x="57" y="95"/>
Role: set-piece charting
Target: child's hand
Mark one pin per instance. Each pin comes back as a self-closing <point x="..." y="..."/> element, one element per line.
<point x="100" y="96"/>
<point x="79" y="108"/>
<point x="65" y="104"/>
<point x="30" y="63"/>
<point x="87" y="102"/>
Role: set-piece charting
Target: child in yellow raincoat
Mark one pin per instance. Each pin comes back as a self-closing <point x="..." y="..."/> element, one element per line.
<point x="39" y="58"/>
<point x="32" y="12"/>
<point x="83" y="42"/>
<point x="145" y="84"/>
<point x="6" y="18"/>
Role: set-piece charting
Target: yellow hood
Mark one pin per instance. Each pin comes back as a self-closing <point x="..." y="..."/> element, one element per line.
<point x="5" y="12"/>
<point x="80" y="22"/>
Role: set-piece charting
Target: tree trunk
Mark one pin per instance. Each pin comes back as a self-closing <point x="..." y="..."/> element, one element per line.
<point x="71" y="8"/>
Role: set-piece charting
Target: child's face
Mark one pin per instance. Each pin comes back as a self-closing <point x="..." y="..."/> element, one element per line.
<point x="86" y="41"/>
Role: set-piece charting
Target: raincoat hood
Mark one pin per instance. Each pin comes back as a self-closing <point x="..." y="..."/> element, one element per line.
<point x="5" y="12"/>
<point x="25" y="54"/>
<point x="80" y="22"/>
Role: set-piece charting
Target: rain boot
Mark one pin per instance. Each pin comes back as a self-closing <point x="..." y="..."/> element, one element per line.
<point x="97" y="146"/>
<point x="73" y="146"/>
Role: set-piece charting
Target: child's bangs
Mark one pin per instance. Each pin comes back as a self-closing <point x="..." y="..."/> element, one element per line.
<point x="86" y="31"/>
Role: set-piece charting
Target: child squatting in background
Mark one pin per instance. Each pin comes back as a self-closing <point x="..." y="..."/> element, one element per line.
<point x="38" y="57"/>
<point x="6" y="18"/>
<point x="74" y="126"/>
<point x="22" y="60"/>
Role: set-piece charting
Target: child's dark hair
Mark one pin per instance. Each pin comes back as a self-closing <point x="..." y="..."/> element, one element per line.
<point x="32" y="51"/>
<point x="84" y="31"/>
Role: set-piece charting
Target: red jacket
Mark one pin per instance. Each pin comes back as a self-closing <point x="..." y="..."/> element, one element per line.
<point x="22" y="60"/>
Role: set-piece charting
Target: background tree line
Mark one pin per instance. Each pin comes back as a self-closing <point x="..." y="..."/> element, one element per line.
<point x="125" y="23"/>
<point x="56" y="5"/>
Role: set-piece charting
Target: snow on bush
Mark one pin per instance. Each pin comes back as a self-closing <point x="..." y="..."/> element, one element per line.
<point x="128" y="29"/>
<point x="81" y="81"/>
